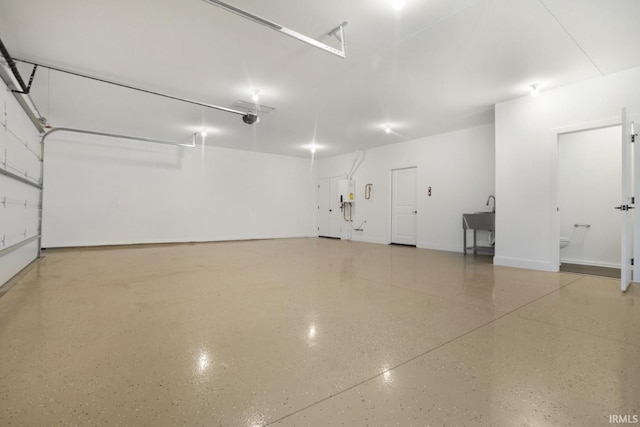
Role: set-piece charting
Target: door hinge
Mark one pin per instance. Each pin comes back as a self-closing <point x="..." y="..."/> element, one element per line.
<point x="624" y="208"/>
<point x="632" y="261"/>
<point x="633" y="137"/>
<point x="633" y="200"/>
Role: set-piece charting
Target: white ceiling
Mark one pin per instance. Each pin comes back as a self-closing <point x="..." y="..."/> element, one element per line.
<point x="436" y="66"/>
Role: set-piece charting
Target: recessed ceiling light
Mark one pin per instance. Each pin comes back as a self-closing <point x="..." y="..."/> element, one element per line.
<point x="256" y="95"/>
<point x="534" y="89"/>
<point x="312" y="147"/>
<point x="387" y="128"/>
<point x="203" y="132"/>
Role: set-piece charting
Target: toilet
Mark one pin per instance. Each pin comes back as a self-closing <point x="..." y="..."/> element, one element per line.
<point x="564" y="241"/>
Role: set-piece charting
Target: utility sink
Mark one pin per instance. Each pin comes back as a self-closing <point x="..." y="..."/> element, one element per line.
<point x="479" y="221"/>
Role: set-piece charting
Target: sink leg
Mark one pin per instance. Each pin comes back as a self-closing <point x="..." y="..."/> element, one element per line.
<point x="475" y="251"/>
<point x="464" y="241"/>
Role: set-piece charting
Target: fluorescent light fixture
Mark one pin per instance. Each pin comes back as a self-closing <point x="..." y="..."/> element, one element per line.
<point x="534" y="89"/>
<point x="338" y="32"/>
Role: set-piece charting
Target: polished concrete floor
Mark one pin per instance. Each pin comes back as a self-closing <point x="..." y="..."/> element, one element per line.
<point x="312" y="332"/>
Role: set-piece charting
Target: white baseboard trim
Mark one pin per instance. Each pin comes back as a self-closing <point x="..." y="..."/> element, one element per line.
<point x="82" y="244"/>
<point x="369" y="240"/>
<point x="524" y="263"/>
<point x="590" y="263"/>
<point x="440" y="247"/>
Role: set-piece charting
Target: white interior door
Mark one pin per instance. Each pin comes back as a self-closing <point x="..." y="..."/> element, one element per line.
<point x="324" y="196"/>
<point x="627" y="208"/>
<point x="403" y="206"/>
<point x="328" y="208"/>
<point x="632" y="123"/>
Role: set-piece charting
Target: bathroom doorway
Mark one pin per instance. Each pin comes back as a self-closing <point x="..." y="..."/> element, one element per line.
<point x="589" y="187"/>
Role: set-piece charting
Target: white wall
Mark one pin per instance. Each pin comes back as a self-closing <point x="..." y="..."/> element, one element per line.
<point x="459" y="166"/>
<point x="527" y="221"/>
<point x="19" y="154"/>
<point x="101" y="191"/>
<point x="590" y="170"/>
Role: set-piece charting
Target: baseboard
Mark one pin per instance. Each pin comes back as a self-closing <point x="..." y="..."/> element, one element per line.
<point x="590" y="263"/>
<point x="364" y="239"/>
<point x="440" y="247"/>
<point x="88" y="244"/>
<point x="525" y="263"/>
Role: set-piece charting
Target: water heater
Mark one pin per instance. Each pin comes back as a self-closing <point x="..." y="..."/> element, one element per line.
<point x="347" y="190"/>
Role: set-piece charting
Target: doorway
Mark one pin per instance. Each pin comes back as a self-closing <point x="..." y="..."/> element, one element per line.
<point x="404" y="210"/>
<point x="328" y="208"/>
<point x="589" y="187"/>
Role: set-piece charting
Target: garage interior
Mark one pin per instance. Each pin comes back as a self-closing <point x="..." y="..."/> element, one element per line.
<point x="248" y="214"/>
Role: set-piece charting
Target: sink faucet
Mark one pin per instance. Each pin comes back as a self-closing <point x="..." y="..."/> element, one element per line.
<point x="494" y="202"/>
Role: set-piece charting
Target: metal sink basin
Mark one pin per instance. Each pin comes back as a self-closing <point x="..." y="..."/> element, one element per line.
<point x="479" y="221"/>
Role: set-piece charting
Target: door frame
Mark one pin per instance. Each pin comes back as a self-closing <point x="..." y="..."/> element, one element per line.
<point x="330" y="179"/>
<point x="390" y="202"/>
<point x="554" y="244"/>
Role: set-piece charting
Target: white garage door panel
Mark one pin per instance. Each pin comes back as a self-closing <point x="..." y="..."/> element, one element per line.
<point x="19" y="201"/>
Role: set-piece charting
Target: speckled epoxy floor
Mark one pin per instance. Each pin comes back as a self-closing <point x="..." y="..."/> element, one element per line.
<point x="313" y="332"/>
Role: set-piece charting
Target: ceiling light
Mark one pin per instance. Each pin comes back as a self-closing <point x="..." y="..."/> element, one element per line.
<point x="397" y="5"/>
<point x="203" y="133"/>
<point x="256" y="95"/>
<point x="313" y="147"/>
<point x="387" y="128"/>
<point x="534" y="89"/>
